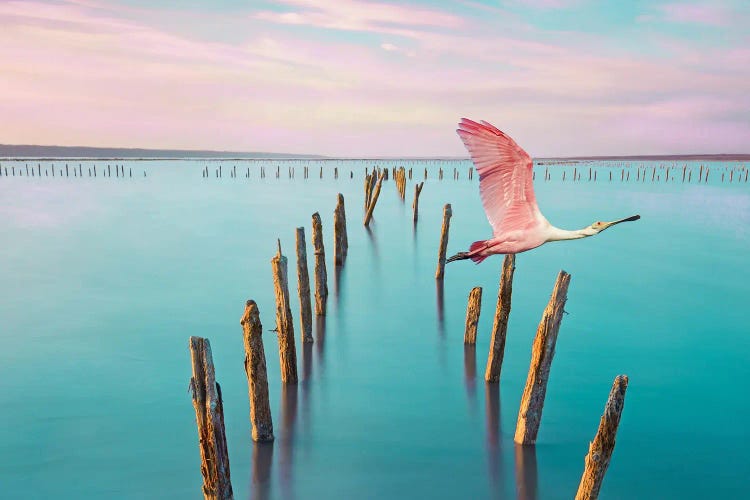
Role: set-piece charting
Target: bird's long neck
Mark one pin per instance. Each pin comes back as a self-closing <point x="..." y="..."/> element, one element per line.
<point x="557" y="234"/>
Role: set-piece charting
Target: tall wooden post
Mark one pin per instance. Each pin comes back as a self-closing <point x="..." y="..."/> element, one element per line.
<point x="415" y="204"/>
<point x="340" y="239"/>
<point x="257" y="377"/>
<point x="447" y="213"/>
<point x="543" y="350"/>
<point x="303" y="287"/>
<point x="284" y="323"/>
<point x="601" y="448"/>
<point x="321" y="276"/>
<point x="473" y="309"/>
<point x="500" y="325"/>
<point x="209" y="416"/>
<point x="374" y="199"/>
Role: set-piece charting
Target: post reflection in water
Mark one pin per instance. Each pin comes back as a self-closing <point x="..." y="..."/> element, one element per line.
<point x="494" y="454"/>
<point x="320" y="340"/>
<point x="286" y="438"/>
<point x="470" y="375"/>
<point x="262" y="460"/>
<point x="337" y="282"/>
<point x="305" y="383"/>
<point x="440" y="306"/>
<point x="526" y="473"/>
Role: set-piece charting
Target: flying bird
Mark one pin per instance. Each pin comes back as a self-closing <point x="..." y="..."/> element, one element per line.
<point x="507" y="192"/>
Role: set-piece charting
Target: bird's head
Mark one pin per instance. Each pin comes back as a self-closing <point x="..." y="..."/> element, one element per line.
<point x="599" y="226"/>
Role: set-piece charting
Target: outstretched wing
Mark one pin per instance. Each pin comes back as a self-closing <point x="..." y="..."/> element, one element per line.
<point x="505" y="177"/>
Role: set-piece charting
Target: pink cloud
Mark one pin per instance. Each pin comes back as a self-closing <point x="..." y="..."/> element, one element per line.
<point x="87" y="74"/>
<point x="708" y="14"/>
<point x="357" y="15"/>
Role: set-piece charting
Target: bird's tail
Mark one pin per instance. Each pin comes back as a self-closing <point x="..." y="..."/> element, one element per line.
<point x="458" y="256"/>
<point x="472" y="254"/>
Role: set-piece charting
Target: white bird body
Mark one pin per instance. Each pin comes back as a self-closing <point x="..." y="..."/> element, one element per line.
<point x="507" y="192"/>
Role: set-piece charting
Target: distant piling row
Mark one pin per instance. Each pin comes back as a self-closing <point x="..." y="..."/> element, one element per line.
<point x="66" y="171"/>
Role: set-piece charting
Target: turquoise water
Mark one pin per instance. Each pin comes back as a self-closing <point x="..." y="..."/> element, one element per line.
<point x="104" y="280"/>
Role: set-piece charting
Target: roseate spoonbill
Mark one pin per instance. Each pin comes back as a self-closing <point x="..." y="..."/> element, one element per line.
<point x="507" y="191"/>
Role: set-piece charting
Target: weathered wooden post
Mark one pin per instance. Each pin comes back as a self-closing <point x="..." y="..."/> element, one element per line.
<point x="601" y="448"/>
<point x="415" y="204"/>
<point x="374" y="200"/>
<point x="367" y="192"/>
<point x="473" y="308"/>
<point x="500" y="325"/>
<point x="340" y="239"/>
<point x="447" y="214"/>
<point x="543" y="350"/>
<point x="257" y="378"/>
<point x="209" y="416"/>
<point x="303" y="287"/>
<point x="284" y="322"/>
<point x="321" y="277"/>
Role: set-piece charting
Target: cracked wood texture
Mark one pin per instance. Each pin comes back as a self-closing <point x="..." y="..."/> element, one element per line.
<point x="500" y="324"/>
<point x="447" y="213"/>
<point x="473" y="309"/>
<point x="257" y="376"/>
<point x="209" y="416"/>
<point x="321" y="275"/>
<point x="284" y="322"/>
<point x="340" y="239"/>
<point x="543" y="350"/>
<point x="303" y="287"/>
<point x="601" y="448"/>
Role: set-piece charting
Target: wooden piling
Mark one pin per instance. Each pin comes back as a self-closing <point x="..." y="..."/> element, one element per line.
<point x="340" y="239"/>
<point x="601" y="448"/>
<point x="209" y="416"/>
<point x="374" y="199"/>
<point x="257" y="377"/>
<point x="284" y="322"/>
<point x="500" y="324"/>
<point x="473" y="309"/>
<point x="415" y="203"/>
<point x="321" y="277"/>
<point x="303" y="287"/>
<point x="447" y="213"/>
<point x="543" y="350"/>
<point x="368" y="194"/>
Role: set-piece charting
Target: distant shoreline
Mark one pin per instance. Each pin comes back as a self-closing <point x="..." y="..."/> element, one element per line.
<point x="75" y="153"/>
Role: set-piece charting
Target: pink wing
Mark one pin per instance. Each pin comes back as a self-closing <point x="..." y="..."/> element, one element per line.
<point x="505" y="177"/>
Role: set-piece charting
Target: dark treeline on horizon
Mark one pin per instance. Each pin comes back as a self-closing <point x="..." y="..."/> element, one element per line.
<point x="32" y="151"/>
<point x="83" y="152"/>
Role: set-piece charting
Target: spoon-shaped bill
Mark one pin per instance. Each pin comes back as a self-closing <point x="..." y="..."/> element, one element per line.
<point x="626" y="219"/>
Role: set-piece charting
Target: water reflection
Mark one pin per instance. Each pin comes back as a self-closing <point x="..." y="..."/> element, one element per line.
<point x="337" y="283"/>
<point x="526" y="473"/>
<point x="494" y="457"/>
<point x="373" y="240"/>
<point x="320" y="339"/>
<point x="470" y="375"/>
<point x="305" y="384"/>
<point x="440" y="306"/>
<point x="286" y="438"/>
<point x="262" y="460"/>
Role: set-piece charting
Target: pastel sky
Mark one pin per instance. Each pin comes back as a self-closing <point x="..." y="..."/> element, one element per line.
<point x="362" y="78"/>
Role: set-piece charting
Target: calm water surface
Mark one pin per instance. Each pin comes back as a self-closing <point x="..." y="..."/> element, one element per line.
<point x="104" y="280"/>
